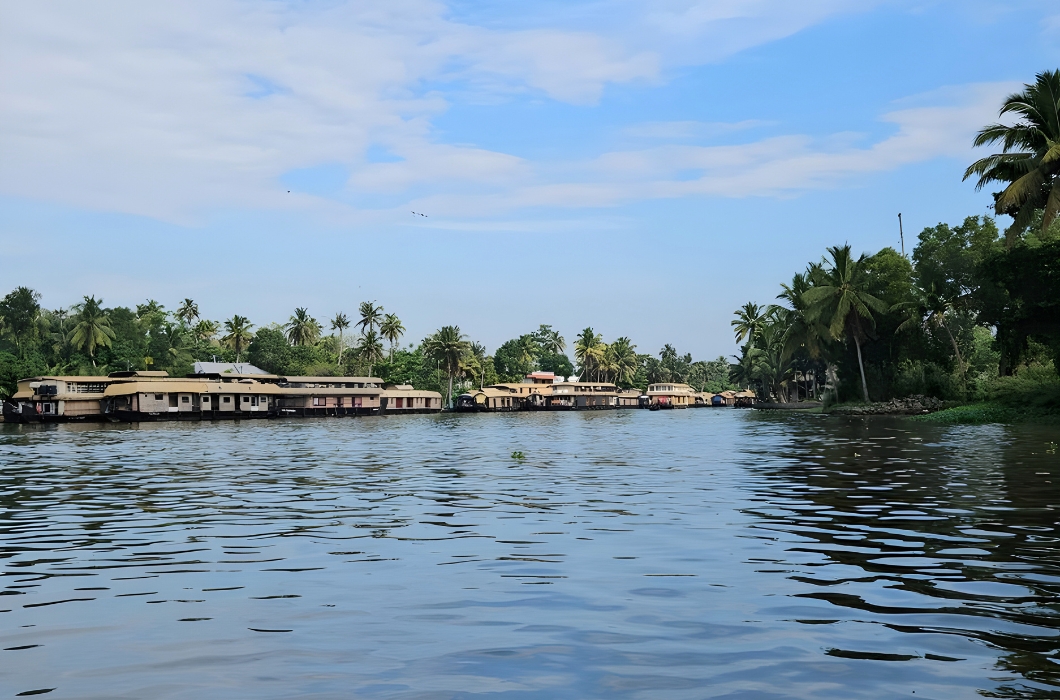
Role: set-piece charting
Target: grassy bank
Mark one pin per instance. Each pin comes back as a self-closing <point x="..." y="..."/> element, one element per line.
<point x="992" y="412"/>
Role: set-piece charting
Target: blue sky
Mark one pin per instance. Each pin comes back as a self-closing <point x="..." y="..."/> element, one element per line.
<point x="641" y="166"/>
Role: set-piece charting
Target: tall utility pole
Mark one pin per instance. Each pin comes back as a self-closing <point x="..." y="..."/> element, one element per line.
<point x="901" y="233"/>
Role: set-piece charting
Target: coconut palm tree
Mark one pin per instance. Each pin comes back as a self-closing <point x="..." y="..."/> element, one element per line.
<point x="799" y="332"/>
<point x="621" y="359"/>
<point x="371" y="316"/>
<point x="748" y="321"/>
<point x="391" y="329"/>
<point x="589" y="350"/>
<point x="204" y="331"/>
<point x="550" y="341"/>
<point x="840" y="302"/>
<point x="91" y="328"/>
<point x="370" y="349"/>
<point x="477" y="352"/>
<point x="1029" y="162"/>
<point x="340" y="323"/>
<point x="302" y="329"/>
<point x="239" y="336"/>
<point x="927" y="310"/>
<point x="188" y="311"/>
<point x="447" y="347"/>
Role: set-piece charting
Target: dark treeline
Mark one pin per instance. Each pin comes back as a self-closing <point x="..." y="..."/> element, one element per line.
<point x="91" y="339"/>
<point x="973" y="314"/>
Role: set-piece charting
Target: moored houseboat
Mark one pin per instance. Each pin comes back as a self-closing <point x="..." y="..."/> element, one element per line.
<point x="745" y="399"/>
<point x="403" y="398"/>
<point x="56" y="399"/>
<point x="327" y="396"/>
<point x="161" y="398"/>
<point x="670" y="395"/>
<point x="583" y="395"/>
<point x="628" y="398"/>
<point x="490" y="399"/>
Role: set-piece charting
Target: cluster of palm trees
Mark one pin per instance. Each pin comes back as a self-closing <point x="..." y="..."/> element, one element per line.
<point x="302" y="329"/>
<point x="605" y="362"/>
<point x="828" y="303"/>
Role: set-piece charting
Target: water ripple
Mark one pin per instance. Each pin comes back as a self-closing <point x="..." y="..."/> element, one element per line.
<point x="685" y="554"/>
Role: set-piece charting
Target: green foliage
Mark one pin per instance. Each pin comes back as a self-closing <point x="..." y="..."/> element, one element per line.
<point x="13" y="368"/>
<point x="19" y="312"/>
<point x="1029" y="163"/>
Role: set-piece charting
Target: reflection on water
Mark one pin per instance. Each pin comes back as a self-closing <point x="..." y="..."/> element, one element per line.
<point x="688" y="554"/>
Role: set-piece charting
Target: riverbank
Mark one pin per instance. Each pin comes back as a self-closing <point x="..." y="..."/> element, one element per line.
<point x="992" y="412"/>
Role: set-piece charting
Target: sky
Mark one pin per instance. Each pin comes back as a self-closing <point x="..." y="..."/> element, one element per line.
<point x="643" y="167"/>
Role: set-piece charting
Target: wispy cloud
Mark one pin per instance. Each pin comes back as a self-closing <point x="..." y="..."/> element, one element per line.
<point x="174" y="111"/>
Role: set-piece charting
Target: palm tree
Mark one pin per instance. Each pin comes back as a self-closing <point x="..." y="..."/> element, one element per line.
<point x="1029" y="162"/>
<point x="528" y="350"/>
<point x="622" y="360"/>
<point x="371" y="316"/>
<point x="204" y="330"/>
<point x="340" y="323"/>
<point x="477" y="351"/>
<point x="302" y="329"/>
<point x="799" y="332"/>
<point x="589" y="350"/>
<point x="447" y="347"/>
<point x="239" y="335"/>
<point x="391" y="329"/>
<point x="550" y="341"/>
<point x="748" y="322"/>
<point x="188" y="311"/>
<point x="840" y="301"/>
<point x="370" y="349"/>
<point x="928" y="310"/>
<point x="91" y="328"/>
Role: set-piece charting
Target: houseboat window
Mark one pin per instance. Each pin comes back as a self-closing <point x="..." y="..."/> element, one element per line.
<point x="246" y="399"/>
<point x="401" y="403"/>
<point x="185" y="399"/>
<point x="228" y="399"/>
<point x="158" y="397"/>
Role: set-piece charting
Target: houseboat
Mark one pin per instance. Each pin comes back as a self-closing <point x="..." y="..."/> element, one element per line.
<point x="583" y="395"/>
<point x="144" y="398"/>
<point x="491" y="398"/>
<point x="326" y="396"/>
<point x="670" y="395"/>
<point x="628" y="398"/>
<point x="403" y="398"/>
<point x="54" y="399"/>
<point x="744" y="399"/>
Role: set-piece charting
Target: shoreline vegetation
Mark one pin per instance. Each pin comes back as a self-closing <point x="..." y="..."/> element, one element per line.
<point x="970" y="320"/>
<point x="88" y="339"/>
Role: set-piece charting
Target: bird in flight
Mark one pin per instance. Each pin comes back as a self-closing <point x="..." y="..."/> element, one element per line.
<point x="419" y="214"/>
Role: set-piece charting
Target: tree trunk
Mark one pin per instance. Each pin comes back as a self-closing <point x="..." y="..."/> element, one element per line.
<point x="450" y="390"/>
<point x="861" y="366"/>
<point x="957" y="352"/>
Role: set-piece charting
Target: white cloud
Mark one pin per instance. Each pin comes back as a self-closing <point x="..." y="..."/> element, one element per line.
<point x="939" y="124"/>
<point x="172" y="111"/>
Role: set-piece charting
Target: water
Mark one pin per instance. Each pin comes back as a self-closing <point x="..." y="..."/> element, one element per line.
<point x="631" y="554"/>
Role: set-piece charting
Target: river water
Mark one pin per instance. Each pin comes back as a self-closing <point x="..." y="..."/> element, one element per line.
<point x="626" y="554"/>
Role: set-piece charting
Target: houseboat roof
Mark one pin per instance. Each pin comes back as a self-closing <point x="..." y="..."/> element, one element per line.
<point x="331" y="380"/>
<point x="409" y="391"/>
<point x="138" y="373"/>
